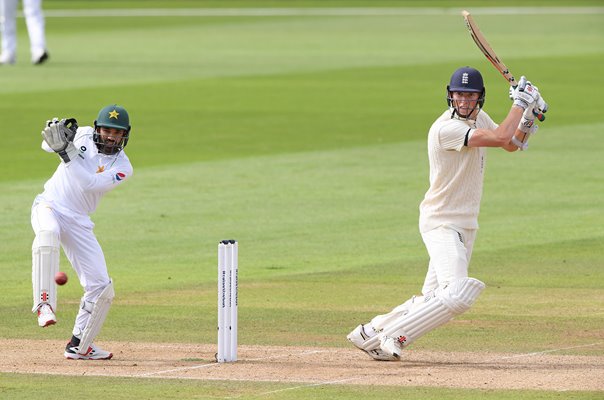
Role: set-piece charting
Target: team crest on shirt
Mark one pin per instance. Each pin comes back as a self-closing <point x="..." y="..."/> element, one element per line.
<point x="100" y="169"/>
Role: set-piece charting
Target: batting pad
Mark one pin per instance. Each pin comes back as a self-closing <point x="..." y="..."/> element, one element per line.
<point x="97" y="317"/>
<point x="454" y="299"/>
<point x="45" y="264"/>
<point x="379" y="322"/>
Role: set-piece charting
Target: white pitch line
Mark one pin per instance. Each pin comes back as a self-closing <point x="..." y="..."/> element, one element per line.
<point x="175" y="370"/>
<point x="547" y="351"/>
<point x="167" y="371"/>
<point x="311" y="12"/>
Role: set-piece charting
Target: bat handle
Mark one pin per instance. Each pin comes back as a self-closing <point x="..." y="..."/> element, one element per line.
<point x="540" y="109"/>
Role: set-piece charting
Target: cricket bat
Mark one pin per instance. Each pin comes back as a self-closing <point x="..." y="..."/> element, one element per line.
<point x="490" y="54"/>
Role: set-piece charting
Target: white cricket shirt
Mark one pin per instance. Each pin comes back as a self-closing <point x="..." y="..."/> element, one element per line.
<point x="456" y="173"/>
<point x="79" y="185"/>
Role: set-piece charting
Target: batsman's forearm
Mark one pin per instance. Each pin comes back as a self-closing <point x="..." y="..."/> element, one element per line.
<point x="508" y="126"/>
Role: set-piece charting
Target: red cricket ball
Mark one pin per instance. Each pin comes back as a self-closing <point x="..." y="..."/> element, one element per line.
<point x="61" y="278"/>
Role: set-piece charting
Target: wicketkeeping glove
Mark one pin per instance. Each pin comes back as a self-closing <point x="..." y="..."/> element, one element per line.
<point x="59" y="135"/>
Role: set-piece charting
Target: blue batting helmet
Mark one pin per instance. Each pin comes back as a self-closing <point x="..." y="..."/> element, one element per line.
<point x="466" y="79"/>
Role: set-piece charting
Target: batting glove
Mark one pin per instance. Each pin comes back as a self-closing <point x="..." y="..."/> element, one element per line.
<point x="525" y="94"/>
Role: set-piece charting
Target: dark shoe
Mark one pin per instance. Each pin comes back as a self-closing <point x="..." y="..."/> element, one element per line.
<point x="72" y="351"/>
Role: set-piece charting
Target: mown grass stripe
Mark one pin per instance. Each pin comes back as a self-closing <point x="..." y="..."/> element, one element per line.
<point x="312" y="12"/>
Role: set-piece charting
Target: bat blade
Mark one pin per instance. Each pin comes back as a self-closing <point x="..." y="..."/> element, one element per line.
<point x="486" y="48"/>
<point x="490" y="54"/>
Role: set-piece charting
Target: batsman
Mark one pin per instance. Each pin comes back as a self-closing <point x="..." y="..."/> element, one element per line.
<point x="92" y="162"/>
<point x="457" y="144"/>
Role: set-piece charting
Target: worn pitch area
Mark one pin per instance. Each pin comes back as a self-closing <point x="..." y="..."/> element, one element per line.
<point x="306" y="365"/>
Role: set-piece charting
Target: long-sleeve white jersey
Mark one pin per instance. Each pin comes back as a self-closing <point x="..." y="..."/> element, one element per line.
<point x="79" y="185"/>
<point x="456" y="173"/>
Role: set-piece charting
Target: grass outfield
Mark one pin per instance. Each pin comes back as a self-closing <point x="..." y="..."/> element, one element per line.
<point x="183" y="389"/>
<point x="304" y="138"/>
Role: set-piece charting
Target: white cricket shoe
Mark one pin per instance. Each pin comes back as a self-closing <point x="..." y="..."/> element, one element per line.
<point x="6" y="58"/>
<point x="46" y="316"/>
<point x="40" y="57"/>
<point x="93" y="353"/>
<point x="391" y="346"/>
<point x="358" y="338"/>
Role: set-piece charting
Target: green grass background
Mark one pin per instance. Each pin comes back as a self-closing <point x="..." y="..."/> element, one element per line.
<point x="304" y="138"/>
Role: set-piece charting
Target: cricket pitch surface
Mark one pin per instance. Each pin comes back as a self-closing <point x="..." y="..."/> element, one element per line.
<point x="315" y="366"/>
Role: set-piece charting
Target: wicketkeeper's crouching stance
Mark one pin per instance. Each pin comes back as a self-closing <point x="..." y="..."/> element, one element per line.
<point x="448" y="223"/>
<point x="92" y="163"/>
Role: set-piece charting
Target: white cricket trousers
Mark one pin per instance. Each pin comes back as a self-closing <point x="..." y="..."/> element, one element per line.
<point x="34" y="19"/>
<point x="81" y="248"/>
<point x="450" y="250"/>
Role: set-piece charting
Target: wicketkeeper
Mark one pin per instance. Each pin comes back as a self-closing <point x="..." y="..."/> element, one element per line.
<point x="448" y="222"/>
<point x="92" y="163"/>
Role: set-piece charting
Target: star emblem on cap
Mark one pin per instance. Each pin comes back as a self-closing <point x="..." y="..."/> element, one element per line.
<point x="113" y="114"/>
